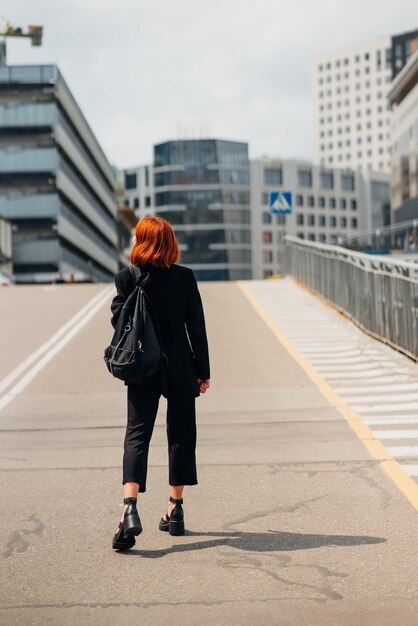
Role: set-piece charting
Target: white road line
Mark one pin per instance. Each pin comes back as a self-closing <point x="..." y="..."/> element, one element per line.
<point x="390" y="421"/>
<point x="356" y="367"/>
<point x="376" y="388"/>
<point x="30" y="375"/>
<point x="354" y="360"/>
<point x="385" y="378"/>
<point x="402" y="451"/>
<point x="411" y="470"/>
<point x="407" y="433"/>
<point x="402" y="398"/>
<point x="348" y="374"/>
<point x="17" y="371"/>
<point x="381" y="408"/>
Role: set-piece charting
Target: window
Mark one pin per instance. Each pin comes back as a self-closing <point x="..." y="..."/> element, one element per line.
<point x="326" y="180"/>
<point x="266" y="217"/>
<point x="322" y="221"/>
<point x="267" y="273"/>
<point x="321" y="202"/>
<point x="136" y="203"/>
<point x="333" y="221"/>
<point x="280" y="220"/>
<point x="311" y="220"/>
<point x="300" y="219"/>
<point x="343" y="222"/>
<point x="332" y="203"/>
<point x="299" y="200"/>
<point x="347" y="182"/>
<point x="353" y="205"/>
<point x="273" y="176"/>
<point x="300" y="235"/>
<point x="353" y="222"/>
<point x="267" y="256"/>
<point x="147" y="177"/>
<point x="322" y="238"/>
<point x="305" y="178"/>
<point x="266" y="236"/>
<point x="343" y="203"/>
<point x="265" y="198"/>
<point x="147" y="201"/>
<point x="130" y="180"/>
<point x="311" y="236"/>
<point x="311" y="201"/>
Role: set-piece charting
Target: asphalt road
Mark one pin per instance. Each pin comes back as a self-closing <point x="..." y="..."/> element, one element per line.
<point x="293" y="521"/>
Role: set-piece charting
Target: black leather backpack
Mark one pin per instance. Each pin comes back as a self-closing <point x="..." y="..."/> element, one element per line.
<point x="136" y="350"/>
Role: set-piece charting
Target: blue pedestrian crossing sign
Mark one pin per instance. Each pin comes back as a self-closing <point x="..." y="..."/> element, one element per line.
<point x="280" y="202"/>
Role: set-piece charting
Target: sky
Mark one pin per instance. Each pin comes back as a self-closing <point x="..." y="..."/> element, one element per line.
<point x="145" y="72"/>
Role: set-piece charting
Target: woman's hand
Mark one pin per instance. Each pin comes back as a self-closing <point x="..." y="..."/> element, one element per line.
<point x="203" y="385"/>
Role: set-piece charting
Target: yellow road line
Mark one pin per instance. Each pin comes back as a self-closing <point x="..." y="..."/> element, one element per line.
<point x="377" y="450"/>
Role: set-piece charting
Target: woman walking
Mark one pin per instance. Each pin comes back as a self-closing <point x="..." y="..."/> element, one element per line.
<point x="177" y="306"/>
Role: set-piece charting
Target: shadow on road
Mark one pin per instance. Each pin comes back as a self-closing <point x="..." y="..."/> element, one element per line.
<point x="271" y="541"/>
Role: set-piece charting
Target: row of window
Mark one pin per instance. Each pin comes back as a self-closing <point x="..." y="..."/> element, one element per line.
<point x="346" y="103"/>
<point x="305" y="179"/>
<point x="347" y="129"/>
<point x="357" y="58"/>
<point x="330" y="160"/>
<point x="347" y="116"/>
<point x="344" y="203"/>
<point x="136" y="203"/>
<point x="348" y="156"/>
<point x="358" y="141"/>
<point x="321" y="220"/>
<point x="367" y="83"/>
<point x="347" y="89"/>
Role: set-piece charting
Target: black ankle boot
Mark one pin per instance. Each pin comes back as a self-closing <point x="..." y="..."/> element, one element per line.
<point x="174" y="523"/>
<point x="131" y="521"/>
<point x="130" y="527"/>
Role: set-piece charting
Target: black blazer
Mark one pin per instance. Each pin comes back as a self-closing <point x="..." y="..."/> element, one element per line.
<point x="178" y="307"/>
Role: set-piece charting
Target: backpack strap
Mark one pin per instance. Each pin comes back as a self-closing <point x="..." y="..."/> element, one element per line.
<point x="138" y="276"/>
<point x="141" y="279"/>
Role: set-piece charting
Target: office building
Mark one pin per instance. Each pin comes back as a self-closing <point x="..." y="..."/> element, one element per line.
<point x="352" y="116"/>
<point x="138" y="189"/>
<point x="56" y="184"/>
<point x="403" y="97"/>
<point x="329" y="206"/>
<point x="202" y="188"/>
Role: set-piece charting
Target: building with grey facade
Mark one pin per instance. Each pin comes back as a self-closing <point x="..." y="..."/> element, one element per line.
<point x="329" y="206"/>
<point x="56" y="184"/>
<point x="403" y="97"/>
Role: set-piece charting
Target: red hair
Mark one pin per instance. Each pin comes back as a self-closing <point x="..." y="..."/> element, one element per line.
<point x="155" y="244"/>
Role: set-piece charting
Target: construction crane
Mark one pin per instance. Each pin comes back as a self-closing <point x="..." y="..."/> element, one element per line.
<point x="34" y="33"/>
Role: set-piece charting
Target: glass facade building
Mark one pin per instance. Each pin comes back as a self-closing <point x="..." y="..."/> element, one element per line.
<point x="202" y="188"/>
<point x="56" y="185"/>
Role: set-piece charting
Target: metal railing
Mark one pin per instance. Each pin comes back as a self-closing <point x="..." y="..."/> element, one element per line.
<point x="377" y="293"/>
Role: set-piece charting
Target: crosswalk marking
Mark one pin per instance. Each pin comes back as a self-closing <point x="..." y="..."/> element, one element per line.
<point x="377" y="382"/>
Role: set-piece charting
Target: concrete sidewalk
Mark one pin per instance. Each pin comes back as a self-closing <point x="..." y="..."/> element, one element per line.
<point x="292" y="522"/>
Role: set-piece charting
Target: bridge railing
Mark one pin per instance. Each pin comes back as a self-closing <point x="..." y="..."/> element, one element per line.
<point x="379" y="294"/>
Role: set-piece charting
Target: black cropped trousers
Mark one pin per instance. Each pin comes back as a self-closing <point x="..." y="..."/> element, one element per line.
<point x="181" y="436"/>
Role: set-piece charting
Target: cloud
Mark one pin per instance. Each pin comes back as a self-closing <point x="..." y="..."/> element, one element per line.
<point x="144" y="72"/>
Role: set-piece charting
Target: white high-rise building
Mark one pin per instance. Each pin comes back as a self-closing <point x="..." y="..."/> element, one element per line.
<point x="330" y="205"/>
<point x="352" y="116"/>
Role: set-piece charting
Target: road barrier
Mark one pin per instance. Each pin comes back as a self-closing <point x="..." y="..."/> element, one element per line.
<point x="380" y="294"/>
